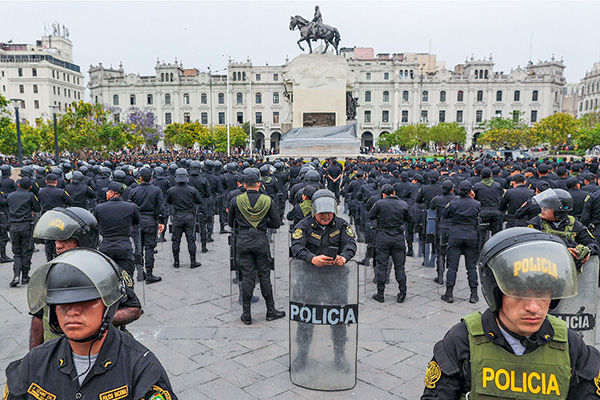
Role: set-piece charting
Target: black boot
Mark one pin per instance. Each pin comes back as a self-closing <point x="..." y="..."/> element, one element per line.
<point x="440" y="271"/>
<point x="150" y="278"/>
<point x="246" y="316"/>
<point x="299" y="362"/>
<point x="474" y="298"/>
<point x="193" y="263"/>
<point x="401" y="297"/>
<point x="176" y="262"/>
<point x="204" y="249"/>
<point x="161" y="238"/>
<point x="16" y="280"/>
<point x="409" y="249"/>
<point x="379" y="297"/>
<point x="25" y="278"/>
<point x="448" y="297"/>
<point x="4" y="258"/>
<point x="273" y="313"/>
<point x="340" y="361"/>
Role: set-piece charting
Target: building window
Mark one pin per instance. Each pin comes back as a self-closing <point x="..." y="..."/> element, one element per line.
<point x="58" y="90"/>
<point x="204" y="118"/>
<point x="386" y="76"/>
<point x="35" y="88"/>
<point x="21" y="89"/>
<point x="52" y="73"/>
<point x="186" y="117"/>
<point x="586" y="105"/>
<point x="386" y="96"/>
<point x="385" y="116"/>
<point x="443" y="96"/>
<point x="533" y="116"/>
<point x="259" y="117"/>
<point x="171" y="74"/>
<point x="405" y="95"/>
<point x="167" y="98"/>
<point x="150" y="99"/>
<point x="425" y="96"/>
<point x="203" y="98"/>
<point x="275" y="117"/>
<point x="368" y="76"/>
<point x="20" y="71"/>
<point x="69" y="93"/>
<point x="275" y="77"/>
<point x="424" y="116"/>
<point x="117" y="116"/>
<point x="459" y="116"/>
<point x="480" y="95"/>
<point x="186" y="99"/>
<point x="498" y="114"/>
<point x="534" y="95"/>
<point x="460" y="96"/>
<point x="115" y="98"/>
<point x="404" y="115"/>
<point x="132" y="100"/>
<point x="499" y="95"/>
<point x="517" y="96"/>
<point x="36" y="104"/>
<point x="221" y="118"/>
<point x="479" y="116"/>
<point x="240" y="117"/>
<point x="515" y="115"/>
<point x="33" y="71"/>
<point x="168" y="119"/>
<point x="239" y="97"/>
<point x="258" y="77"/>
<point x="442" y="115"/>
<point x="580" y="106"/>
<point x="233" y="77"/>
<point x="221" y="98"/>
<point x="95" y="100"/>
<point x="367" y="96"/>
<point x="275" y="97"/>
<point x="367" y="116"/>
<point x="258" y="98"/>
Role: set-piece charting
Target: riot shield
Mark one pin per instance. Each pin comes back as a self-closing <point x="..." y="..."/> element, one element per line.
<point x="430" y="229"/>
<point x="323" y="325"/>
<point x="579" y="312"/>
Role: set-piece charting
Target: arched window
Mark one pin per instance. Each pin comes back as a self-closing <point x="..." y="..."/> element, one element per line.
<point x="460" y="96"/>
<point x="476" y="74"/>
<point x="186" y="98"/>
<point x="517" y="96"/>
<point x="405" y="95"/>
<point x="486" y="74"/>
<point x="221" y="98"/>
<point x="480" y="95"/>
<point x="258" y="97"/>
<point x="132" y="100"/>
<point x="386" y="96"/>
<point x="275" y="97"/>
<point x="171" y="77"/>
<point x="499" y="95"/>
<point x="425" y="95"/>
<point x="234" y="77"/>
<point x="534" y="95"/>
<point x="239" y="76"/>
<point x="443" y="96"/>
<point x="162" y="76"/>
<point x="150" y="99"/>
<point x="167" y="98"/>
<point x="203" y="98"/>
<point x="239" y="98"/>
<point x="115" y="99"/>
<point x="368" y="96"/>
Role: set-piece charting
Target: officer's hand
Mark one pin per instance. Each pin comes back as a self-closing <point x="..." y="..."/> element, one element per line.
<point x="161" y="228"/>
<point x="585" y="259"/>
<point x="322" y="260"/>
<point x="339" y="260"/>
<point x="574" y="252"/>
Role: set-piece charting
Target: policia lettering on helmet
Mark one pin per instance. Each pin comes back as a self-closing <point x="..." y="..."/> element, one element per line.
<point x="326" y="241"/>
<point x="515" y="350"/>
<point x="82" y="289"/>
<point x="51" y="196"/>
<point x="70" y="228"/>
<point x="183" y="198"/>
<point x="392" y="215"/>
<point x="251" y="213"/>
<point x="116" y="217"/>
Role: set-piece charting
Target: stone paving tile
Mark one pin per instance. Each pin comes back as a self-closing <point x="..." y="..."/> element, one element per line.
<point x="220" y="388"/>
<point x="272" y="386"/>
<point x="239" y="375"/>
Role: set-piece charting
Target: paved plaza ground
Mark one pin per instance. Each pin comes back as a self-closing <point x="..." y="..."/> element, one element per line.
<point x="191" y="322"/>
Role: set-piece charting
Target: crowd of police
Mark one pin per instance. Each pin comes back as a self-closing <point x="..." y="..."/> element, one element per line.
<point x="399" y="208"/>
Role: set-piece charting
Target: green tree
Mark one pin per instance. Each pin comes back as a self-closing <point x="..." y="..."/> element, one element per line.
<point x="557" y="129"/>
<point x="506" y="133"/>
<point x="246" y="126"/>
<point x="237" y="137"/>
<point x="588" y="137"/>
<point x="188" y="133"/>
<point x="445" y="134"/>
<point x="408" y="136"/>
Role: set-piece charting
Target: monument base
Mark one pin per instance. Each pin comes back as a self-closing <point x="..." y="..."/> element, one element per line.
<point x="322" y="142"/>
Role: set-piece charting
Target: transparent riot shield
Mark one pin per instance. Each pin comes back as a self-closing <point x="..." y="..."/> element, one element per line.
<point x="323" y="325"/>
<point x="579" y="312"/>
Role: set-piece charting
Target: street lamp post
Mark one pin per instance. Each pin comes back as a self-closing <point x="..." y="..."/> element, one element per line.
<point x="16" y="103"/>
<point x="54" y="111"/>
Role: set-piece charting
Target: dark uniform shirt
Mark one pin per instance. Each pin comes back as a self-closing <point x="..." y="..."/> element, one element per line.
<point x="116" y="217"/>
<point x="462" y="214"/>
<point x="149" y="200"/>
<point x="183" y="197"/>
<point x="270" y="220"/>
<point x="311" y="239"/>
<point x="21" y="205"/>
<point x="80" y="193"/>
<point x="392" y="215"/>
<point x="52" y="196"/>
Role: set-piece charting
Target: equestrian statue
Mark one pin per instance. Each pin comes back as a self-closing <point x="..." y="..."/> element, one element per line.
<point x="315" y="30"/>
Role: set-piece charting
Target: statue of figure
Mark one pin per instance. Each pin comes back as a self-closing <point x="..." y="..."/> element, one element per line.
<point x="351" y="105"/>
<point x="316" y="25"/>
<point x="315" y="30"/>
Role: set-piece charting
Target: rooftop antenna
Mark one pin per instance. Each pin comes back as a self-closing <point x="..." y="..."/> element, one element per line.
<point x="531" y="47"/>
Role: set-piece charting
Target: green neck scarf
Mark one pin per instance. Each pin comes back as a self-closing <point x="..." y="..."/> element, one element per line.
<point x="306" y="207"/>
<point x="487" y="181"/>
<point x="254" y="215"/>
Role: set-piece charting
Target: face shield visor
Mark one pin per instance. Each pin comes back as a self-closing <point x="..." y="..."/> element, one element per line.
<point x="54" y="225"/>
<point x="324" y="204"/>
<point x="548" y="199"/>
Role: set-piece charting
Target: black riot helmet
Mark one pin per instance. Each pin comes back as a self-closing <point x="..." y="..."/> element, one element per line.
<point x="77" y="276"/>
<point x="265" y="170"/>
<point x="312" y="176"/>
<point x="5" y="171"/>
<point x="119" y="176"/>
<point x="40" y="172"/>
<point x="104" y="172"/>
<point x="77" y="177"/>
<point x="66" y="223"/>
<point x="181" y="175"/>
<point x="84" y="170"/>
<point x="208" y="165"/>
<point x="245" y="165"/>
<point x="159" y="171"/>
<point x="218" y="165"/>
<point x="172" y="168"/>
<point x="559" y="200"/>
<point x="526" y="263"/>
<point x="195" y="167"/>
<point x="324" y="201"/>
<point x="26" y="172"/>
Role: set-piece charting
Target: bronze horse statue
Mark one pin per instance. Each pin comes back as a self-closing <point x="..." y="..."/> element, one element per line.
<point x="329" y="34"/>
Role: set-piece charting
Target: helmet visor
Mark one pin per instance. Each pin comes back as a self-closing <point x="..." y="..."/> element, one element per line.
<point x="54" y="225"/>
<point x="324" y="205"/>
<point x="548" y="199"/>
<point x="535" y="270"/>
<point x="104" y="274"/>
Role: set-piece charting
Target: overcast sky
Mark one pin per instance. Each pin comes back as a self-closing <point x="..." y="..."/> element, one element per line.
<point x="202" y="33"/>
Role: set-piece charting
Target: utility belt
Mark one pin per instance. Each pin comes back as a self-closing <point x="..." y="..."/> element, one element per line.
<point x="391" y="229"/>
<point x="115" y="238"/>
<point x="251" y="231"/>
<point x="183" y="212"/>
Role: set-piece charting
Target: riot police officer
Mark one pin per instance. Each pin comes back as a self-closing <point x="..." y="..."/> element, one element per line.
<point x="515" y="347"/>
<point x="82" y="289"/>
<point x="302" y="209"/>
<point x="79" y="192"/>
<point x="513" y="199"/>
<point x="437" y="204"/>
<point x="51" y="196"/>
<point x="489" y="192"/>
<point x="201" y="211"/>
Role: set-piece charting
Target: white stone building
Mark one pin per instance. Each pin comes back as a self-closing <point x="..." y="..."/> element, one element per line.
<point x="41" y="75"/>
<point x="589" y="91"/>
<point x="392" y="91"/>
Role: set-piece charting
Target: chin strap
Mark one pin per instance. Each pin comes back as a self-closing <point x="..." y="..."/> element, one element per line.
<point x="528" y="342"/>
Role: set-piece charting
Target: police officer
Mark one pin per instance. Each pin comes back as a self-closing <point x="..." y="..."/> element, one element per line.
<point x="150" y="202"/>
<point x="4" y="258"/>
<point x="116" y="218"/>
<point x="489" y="193"/>
<point x="22" y="204"/>
<point x="215" y="193"/>
<point x="80" y="229"/>
<point x="325" y="241"/>
<point x="301" y="210"/>
<point x="79" y="192"/>
<point x="51" y="196"/>
<point x="513" y="199"/>
<point x="514" y="349"/>
<point x="101" y="184"/>
<point x="438" y="204"/>
<point x="82" y="289"/>
<point x="183" y="198"/>
<point x="463" y="214"/>
<point x="392" y="216"/>
<point x="250" y="214"/>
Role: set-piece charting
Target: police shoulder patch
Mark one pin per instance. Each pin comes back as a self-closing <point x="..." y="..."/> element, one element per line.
<point x="158" y="393"/>
<point x="586" y="198"/>
<point x="6" y="392"/>
<point x="115" y="394"/>
<point x="349" y="231"/>
<point x="297" y="233"/>
<point x="597" y="382"/>
<point x="127" y="279"/>
<point x="432" y="374"/>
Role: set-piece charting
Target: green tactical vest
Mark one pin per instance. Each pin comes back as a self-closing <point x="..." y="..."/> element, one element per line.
<point x="498" y="374"/>
<point x="567" y="233"/>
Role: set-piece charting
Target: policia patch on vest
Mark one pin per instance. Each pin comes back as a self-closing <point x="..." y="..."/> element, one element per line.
<point x="297" y="234"/>
<point x="115" y="394"/>
<point x="40" y="394"/>
<point x="157" y="393"/>
<point x="127" y="278"/>
<point x="432" y="374"/>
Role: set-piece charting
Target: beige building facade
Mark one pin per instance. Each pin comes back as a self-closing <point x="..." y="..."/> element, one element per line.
<point x="588" y="94"/>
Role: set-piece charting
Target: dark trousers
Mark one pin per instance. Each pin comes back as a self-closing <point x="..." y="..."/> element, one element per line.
<point x="183" y="223"/>
<point x="22" y="246"/>
<point x="390" y="245"/>
<point x="253" y="256"/>
<point x="119" y="249"/>
<point x="3" y="233"/>
<point x="468" y="247"/>
<point x="148" y="230"/>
